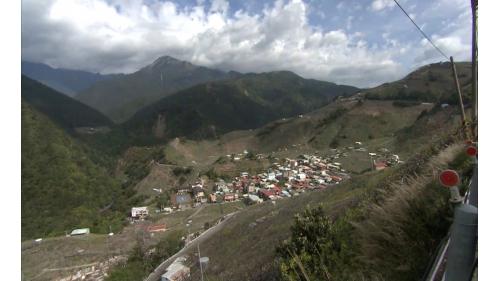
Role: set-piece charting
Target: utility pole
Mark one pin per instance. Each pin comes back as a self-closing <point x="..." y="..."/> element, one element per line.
<point x="460" y="100"/>
<point x="199" y="260"/>
<point x="474" y="66"/>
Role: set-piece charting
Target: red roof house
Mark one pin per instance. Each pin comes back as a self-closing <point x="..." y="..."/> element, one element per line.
<point x="157" y="227"/>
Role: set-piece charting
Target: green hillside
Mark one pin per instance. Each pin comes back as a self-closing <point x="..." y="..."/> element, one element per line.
<point x="63" y="110"/>
<point x="210" y="109"/>
<point x="121" y="97"/>
<point x="389" y="120"/>
<point x="61" y="188"/>
<point x="429" y="83"/>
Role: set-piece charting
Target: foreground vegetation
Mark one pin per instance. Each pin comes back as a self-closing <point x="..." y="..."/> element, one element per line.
<point x="389" y="235"/>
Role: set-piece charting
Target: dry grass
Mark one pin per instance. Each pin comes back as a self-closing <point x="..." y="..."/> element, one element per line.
<point x="395" y="237"/>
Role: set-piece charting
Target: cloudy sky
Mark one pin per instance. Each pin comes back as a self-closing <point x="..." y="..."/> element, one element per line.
<point x="357" y="42"/>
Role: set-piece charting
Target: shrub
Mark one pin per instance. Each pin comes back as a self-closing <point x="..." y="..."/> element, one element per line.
<point x="400" y="103"/>
<point x="332" y="117"/>
<point x="334" y="143"/>
<point x="182" y="171"/>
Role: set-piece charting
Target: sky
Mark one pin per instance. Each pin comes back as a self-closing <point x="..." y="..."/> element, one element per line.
<point x="357" y="42"/>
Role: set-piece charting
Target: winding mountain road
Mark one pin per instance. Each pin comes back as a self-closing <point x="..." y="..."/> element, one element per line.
<point x="156" y="274"/>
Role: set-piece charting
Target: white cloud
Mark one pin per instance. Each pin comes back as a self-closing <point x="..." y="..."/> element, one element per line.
<point x="107" y="37"/>
<point x="379" y="5"/>
<point x="453" y="36"/>
<point x="452" y="45"/>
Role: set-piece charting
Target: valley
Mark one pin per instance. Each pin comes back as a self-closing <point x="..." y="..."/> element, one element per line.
<point x="218" y="140"/>
<point x="256" y="150"/>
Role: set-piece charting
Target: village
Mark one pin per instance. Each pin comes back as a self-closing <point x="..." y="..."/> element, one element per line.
<point x="284" y="178"/>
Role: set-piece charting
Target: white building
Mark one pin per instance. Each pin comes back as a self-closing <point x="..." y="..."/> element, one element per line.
<point x="301" y="176"/>
<point x="81" y="231"/>
<point x="139" y="212"/>
<point x="255" y="198"/>
<point x="177" y="271"/>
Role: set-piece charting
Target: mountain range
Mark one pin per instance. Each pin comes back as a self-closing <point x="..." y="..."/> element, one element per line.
<point x="121" y="97"/>
<point x="246" y="102"/>
<point x="65" y="111"/>
<point x="66" y="81"/>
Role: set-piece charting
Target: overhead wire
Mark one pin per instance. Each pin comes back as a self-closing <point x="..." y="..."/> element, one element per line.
<point x="422" y="32"/>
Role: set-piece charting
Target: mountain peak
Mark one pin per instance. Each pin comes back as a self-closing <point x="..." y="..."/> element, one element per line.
<point x="168" y="60"/>
<point x="167" y="63"/>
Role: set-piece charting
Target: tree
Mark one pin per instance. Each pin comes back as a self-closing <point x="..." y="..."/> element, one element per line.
<point x="309" y="253"/>
<point x="250" y="155"/>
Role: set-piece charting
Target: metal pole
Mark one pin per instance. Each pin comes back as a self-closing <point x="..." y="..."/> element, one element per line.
<point x="473" y="195"/>
<point x="474" y="63"/>
<point x="463" y="244"/>
<point x="199" y="260"/>
<point x="457" y="86"/>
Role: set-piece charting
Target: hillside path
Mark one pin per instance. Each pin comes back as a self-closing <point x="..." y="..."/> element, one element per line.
<point x="197" y="211"/>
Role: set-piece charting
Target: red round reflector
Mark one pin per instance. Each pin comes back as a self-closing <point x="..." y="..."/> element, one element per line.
<point x="449" y="178"/>
<point x="471" y="151"/>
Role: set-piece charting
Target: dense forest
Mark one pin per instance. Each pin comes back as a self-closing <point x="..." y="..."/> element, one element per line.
<point x="62" y="188"/>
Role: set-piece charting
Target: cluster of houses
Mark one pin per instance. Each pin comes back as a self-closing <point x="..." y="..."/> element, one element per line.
<point x="245" y="154"/>
<point x="285" y="178"/>
<point x="288" y="178"/>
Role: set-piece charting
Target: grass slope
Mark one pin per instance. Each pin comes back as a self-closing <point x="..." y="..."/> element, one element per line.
<point x="375" y="123"/>
<point x="430" y="83"/>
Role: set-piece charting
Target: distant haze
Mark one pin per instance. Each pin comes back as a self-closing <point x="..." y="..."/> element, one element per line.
<point x="66" y="81"/>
